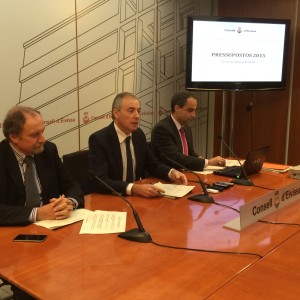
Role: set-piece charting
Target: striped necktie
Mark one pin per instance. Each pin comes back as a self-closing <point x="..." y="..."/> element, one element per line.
<point x="33" y="198"/>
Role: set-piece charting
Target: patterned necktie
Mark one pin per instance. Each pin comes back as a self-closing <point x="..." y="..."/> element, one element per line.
<point x="184" y="141"/>
<point x="33" y="198"/>
<point x="129" y="174"/>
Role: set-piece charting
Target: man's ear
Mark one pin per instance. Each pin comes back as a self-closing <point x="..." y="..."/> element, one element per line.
<point x="115" y="113"/>
<point x="14" y="138"/>
<point x="176" y="107"/>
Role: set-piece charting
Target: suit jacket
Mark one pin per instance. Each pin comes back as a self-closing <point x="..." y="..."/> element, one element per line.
<point x="54" y="180"/>
<point x="165" y="138"/>
<point x="106" y="160"/>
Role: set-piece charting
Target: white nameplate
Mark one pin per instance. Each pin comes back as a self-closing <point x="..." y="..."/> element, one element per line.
<point x="265" y="205"/>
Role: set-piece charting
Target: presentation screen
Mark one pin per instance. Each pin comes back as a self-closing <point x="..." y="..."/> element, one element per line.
<point x="236" y="53"/>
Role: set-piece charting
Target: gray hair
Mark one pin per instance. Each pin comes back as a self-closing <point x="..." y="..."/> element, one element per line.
<point x="118" y="101"/>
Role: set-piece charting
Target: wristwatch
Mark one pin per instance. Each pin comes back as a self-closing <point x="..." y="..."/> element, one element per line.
<point x="74" y="204"/>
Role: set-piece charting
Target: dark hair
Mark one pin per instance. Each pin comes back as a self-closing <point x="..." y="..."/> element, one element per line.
<point x="180" y="99"/>
<point x="118" y="101"/>
<point x="15" y="119"/>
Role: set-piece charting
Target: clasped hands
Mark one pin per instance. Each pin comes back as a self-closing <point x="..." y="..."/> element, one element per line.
<point x="57" y="209"/>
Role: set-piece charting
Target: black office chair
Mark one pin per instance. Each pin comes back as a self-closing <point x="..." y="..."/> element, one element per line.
<point x="149" y="145"/>
<point x="78" y="165"/>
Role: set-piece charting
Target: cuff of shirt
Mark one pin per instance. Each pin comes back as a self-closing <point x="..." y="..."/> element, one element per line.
<point x="169" y="174"/>
<point x="75" y="203"/>
<point x="206" y="163"/>
<point x="128" y="189"/>
<point x="32" y="216"/>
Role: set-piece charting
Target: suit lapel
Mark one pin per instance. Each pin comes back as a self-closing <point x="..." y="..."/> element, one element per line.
<point x="116" y="149"/>
<point x="12" y="166"/>
<point x="41" y="165"/>
<point x="137" y="154"/>
<point x="176" y="133"/>
<point x="188" y="134"/>
<point x="189" y="138"/>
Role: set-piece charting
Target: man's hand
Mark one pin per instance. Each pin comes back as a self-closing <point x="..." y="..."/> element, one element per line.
<point x="146" y="190"/>
<point x="217" y="161"/>
<point x="57" y="209"/>
<point x="178" y="177"/>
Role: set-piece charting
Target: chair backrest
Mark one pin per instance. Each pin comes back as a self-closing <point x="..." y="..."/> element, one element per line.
<point x="149" y="145"/>
<point x="78" y="165"/>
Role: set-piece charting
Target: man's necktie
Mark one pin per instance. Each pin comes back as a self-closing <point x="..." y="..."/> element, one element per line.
<point x="184" y="141"/>
<point x="129" y="174"/>
<point x="33" y="198"/>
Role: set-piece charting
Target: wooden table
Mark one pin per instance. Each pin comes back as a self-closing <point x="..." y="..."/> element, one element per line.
<point x="275" y="276"/>
<point x="72" y="266"/>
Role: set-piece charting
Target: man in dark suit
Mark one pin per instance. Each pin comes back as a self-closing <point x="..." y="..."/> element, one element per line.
<point x="173" y="137"/>
<point x="58" y="193"/>
<point x="108" y="153"/>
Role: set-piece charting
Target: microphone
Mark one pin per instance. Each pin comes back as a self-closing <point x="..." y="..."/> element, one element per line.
<point x="137" y="234"/>
<point x="240" y="181"/>
<point x="199" y="198"/>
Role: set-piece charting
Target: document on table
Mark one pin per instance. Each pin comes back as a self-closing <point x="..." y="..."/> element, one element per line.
<point x="233" y="162"/>
<point x="209" y="170"/>
<point x="76" y="215"/>
<point x="276" y="168"/>
<point x="228" y="163"/>
<point x="174" y="190"/>
<point x="103" y="222"/>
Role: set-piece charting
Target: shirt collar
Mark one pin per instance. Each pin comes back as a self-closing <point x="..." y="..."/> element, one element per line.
<point x="178" y="126"/>
<point x="19" y="155"/>
<point x="121" y="135"/>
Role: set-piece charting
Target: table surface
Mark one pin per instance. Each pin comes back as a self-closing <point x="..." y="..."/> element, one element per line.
<point x="275" y="276"/>
<point x="72" y="265"/>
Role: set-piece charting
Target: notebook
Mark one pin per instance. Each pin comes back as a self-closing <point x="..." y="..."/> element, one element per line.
<point x="253" y="164"/>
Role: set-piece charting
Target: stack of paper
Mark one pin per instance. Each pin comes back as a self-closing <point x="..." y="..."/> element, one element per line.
<point x="276" y="168"/>
<point x="76" y="215"/>
<point x="101" y="222"/>
<point x="94" y="222"/>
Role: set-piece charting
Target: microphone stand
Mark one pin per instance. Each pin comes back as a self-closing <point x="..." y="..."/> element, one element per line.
<point x="205" y="198"/>
<point x="136" y="234"/>
<point x="241" y="181"/>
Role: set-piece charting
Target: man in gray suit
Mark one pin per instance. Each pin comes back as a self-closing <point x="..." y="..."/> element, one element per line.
<point x="173" y="137"/>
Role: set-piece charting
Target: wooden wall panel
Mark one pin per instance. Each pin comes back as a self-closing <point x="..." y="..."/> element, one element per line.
<point x="294" y="140"/>
<point x="266" y="122"/>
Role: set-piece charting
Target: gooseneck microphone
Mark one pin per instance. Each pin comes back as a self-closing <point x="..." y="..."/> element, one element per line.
<point x="240" y="181"/>
<point x="199" y="198"/>
<point x="137" y="234"/>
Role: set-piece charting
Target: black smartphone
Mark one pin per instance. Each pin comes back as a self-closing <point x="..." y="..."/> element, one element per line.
<point x="217" y="187"/>
<point x="36" y="238"/>
<point x="224" y="182"/>
<point x="223" y="185"/>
